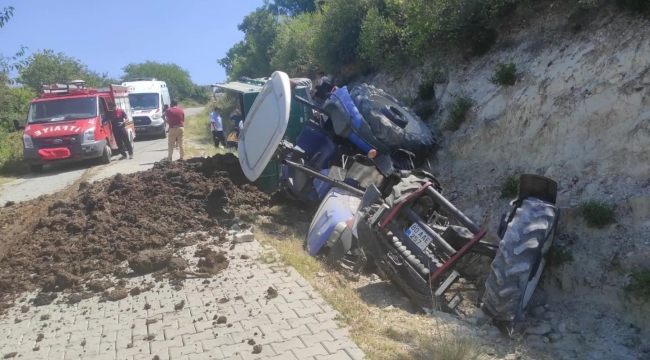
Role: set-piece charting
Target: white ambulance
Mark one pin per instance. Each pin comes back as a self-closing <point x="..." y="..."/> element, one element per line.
<point x="149" y="99"/>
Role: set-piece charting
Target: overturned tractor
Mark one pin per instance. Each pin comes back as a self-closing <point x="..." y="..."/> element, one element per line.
<point x="380" y="209"/>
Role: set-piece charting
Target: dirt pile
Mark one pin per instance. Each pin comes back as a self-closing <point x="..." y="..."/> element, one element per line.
<point x="211" y="262"/>
<point x="136" y="217"/>
<point x="150" y="260"/>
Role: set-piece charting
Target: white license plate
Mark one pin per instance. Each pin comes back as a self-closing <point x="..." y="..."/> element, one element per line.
<point x="418" y="236"/>
<point x="139" y="129"/>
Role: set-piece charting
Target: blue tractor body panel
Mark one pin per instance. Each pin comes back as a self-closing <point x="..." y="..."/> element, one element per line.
<point x="329" y="224"/>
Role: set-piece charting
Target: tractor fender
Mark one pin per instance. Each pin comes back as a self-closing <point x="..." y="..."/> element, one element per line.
<point x="333" y="221"/>
<point x="530" y="186"/>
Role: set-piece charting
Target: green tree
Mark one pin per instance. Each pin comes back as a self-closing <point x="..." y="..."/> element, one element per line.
<point x="337" y="34"/>
<point x="5" y="15"/>
<point x="9" y="63"/>
<point x="252" y="56"/>
<point x="294" y="46"/>
<point x="48" y="67"/>
<point x="381" y="42"/>
<point x="178" y="79"/>
<point x="15" y="103"/>
<point x="294" y="7"/>
<point x="14" y="100"/>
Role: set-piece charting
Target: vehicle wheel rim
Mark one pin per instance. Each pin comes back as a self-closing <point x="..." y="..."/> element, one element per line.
<point x="381" y="101"/>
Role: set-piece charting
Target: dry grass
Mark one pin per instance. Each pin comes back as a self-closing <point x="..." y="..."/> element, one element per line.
<point x="193" y="149"/>
<point x="6" y="179"/>
<point x="197" y="129"/>
<point x="199" y="138"/>
<point x="389" y="333"/>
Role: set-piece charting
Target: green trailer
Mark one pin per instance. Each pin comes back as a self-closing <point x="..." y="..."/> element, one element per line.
<point x="246" y="91"/>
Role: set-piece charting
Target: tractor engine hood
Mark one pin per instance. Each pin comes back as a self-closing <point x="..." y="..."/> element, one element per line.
<point x="265" y="125"/>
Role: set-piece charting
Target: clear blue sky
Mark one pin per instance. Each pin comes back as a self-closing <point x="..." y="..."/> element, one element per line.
<point x="107" y="35"/>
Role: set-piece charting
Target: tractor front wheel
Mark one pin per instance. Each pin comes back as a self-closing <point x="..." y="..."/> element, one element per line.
<point x="519" y="262"/>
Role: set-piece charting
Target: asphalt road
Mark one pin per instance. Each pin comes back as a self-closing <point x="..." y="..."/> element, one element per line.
<point x="54" y="179"/>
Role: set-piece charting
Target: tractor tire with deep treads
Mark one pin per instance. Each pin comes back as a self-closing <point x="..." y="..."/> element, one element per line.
<point x="519" y="262"/>
<point x="375" y="243"/>
<point x="390" y="122"/>
<point x="411" y="181"/>
<point x="380" y="243"/>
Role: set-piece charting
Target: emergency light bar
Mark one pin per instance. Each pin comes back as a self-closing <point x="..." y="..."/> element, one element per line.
<point x="62" y="88"/>
<point x="117" y="90"/>
<point x="142" y="79"/>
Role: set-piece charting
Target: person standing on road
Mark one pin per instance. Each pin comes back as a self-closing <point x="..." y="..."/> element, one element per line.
<point x="120" y="134"/>
<point x="216" y="126"/>
<point x="175" y="118"/>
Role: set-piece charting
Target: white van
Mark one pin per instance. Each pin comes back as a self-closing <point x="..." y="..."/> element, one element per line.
<point x="149" y="99"/>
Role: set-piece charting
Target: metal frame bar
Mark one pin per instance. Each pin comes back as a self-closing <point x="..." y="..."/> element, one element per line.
<point x="450" y="208"/>
<point x="437" y="239"/>
<point x="325" y="178"/>
<point x="459" y="254"/>
<point x="451" y="279"/>
<point x="399" y="206"/>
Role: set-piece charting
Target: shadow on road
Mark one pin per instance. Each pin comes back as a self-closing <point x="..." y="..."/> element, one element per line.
<point x="55" y="169"/>
<point x="145" y="138"/>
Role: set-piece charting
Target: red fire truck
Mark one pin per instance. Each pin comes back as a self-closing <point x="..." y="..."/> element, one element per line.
<point x="70" y="122"/>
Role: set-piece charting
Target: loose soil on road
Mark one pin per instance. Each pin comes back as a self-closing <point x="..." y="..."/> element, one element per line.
<point x="82" y="237"/>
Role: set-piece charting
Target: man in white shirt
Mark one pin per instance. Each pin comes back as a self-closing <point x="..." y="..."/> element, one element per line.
<point x="322" y="79"/>
<point x="323" y="88"/>
<point x="216" y="126"/>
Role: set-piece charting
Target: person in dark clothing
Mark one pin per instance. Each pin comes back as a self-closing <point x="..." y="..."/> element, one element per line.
<point x="120" y="134"/>
<point x="237" y="121"/>
<point x="323" y="88"/>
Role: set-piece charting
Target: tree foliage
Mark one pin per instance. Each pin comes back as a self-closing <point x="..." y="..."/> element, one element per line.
<point x="251" y="56"/>
<point x="48" y="67"/>
<point x="380" y="41"/>
<point x="15" y="103"/>
<point x="178" y="79"/>
<point x="294" y="7"/>
<point x="302" y="36"/>
<point x="6" y="14"/>
<point x="293" y="50"/>
<point x="12" y="62"/>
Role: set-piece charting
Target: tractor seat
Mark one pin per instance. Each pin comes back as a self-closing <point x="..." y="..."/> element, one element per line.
<point x="317" y="152"/>
<point x="318" y="147"/>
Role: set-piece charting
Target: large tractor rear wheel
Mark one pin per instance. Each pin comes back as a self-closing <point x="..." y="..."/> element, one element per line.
<point x="391" y="123"/>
